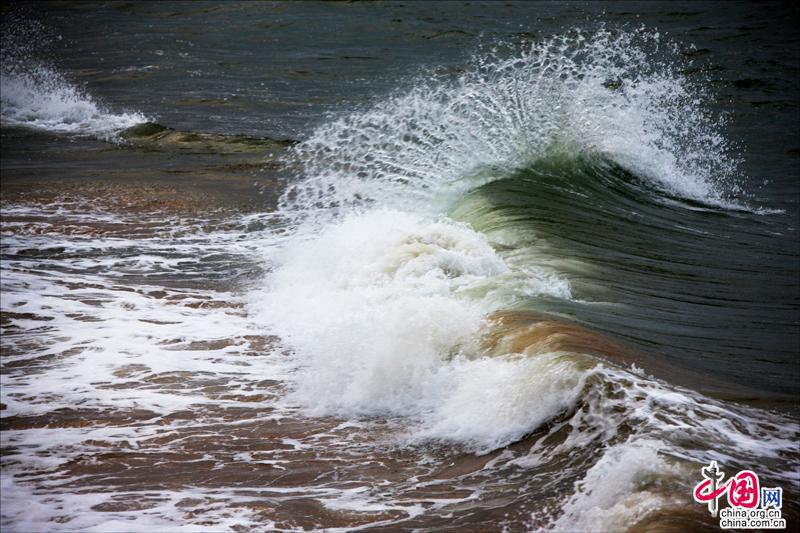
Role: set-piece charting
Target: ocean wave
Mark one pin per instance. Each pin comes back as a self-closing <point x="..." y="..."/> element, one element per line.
<point x="383" y="298"/>
<point x="388" y="305"/>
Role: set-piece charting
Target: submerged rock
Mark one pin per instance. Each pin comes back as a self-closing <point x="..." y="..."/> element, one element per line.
<point x="158" y="137"/>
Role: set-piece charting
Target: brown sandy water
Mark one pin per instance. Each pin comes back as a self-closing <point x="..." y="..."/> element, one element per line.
<point x="150" y="169"/>
<point x="232" y="453"/>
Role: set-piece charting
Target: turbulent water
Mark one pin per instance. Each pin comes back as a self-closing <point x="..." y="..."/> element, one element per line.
<point x="449" y="267"/>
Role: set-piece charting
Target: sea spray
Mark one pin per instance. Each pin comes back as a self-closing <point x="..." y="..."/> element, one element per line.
<point x="621" y="94"/>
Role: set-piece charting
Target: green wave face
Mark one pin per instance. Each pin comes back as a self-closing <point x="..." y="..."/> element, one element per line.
<point x="669" y="275"/>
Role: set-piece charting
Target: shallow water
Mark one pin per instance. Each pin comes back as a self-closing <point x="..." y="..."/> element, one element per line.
<point x="291" y="266"/>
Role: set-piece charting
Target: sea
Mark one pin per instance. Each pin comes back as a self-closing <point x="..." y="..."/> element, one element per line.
<point x="396" y="266"/>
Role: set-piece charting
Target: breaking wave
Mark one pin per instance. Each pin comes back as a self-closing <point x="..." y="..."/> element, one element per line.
<point x="389" y="304"/>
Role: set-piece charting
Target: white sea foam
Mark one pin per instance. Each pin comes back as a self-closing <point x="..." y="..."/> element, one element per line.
<point x="620" y="489"/>
<point x="78" y="299"/>
<point x="381" y="312"/>
<point x="33" y="511"/>
<point x="649" y="440"/>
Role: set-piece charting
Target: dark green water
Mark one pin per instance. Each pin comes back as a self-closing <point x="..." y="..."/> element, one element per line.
<point x="707" y="289"/>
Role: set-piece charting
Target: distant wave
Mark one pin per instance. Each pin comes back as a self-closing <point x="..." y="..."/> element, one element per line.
<point x="36" y="94"/>
<point x="42" y="98"/>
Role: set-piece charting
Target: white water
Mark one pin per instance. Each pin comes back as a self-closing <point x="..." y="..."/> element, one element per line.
<point x="383" y="312"/>
<point x="82" y="299"/>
